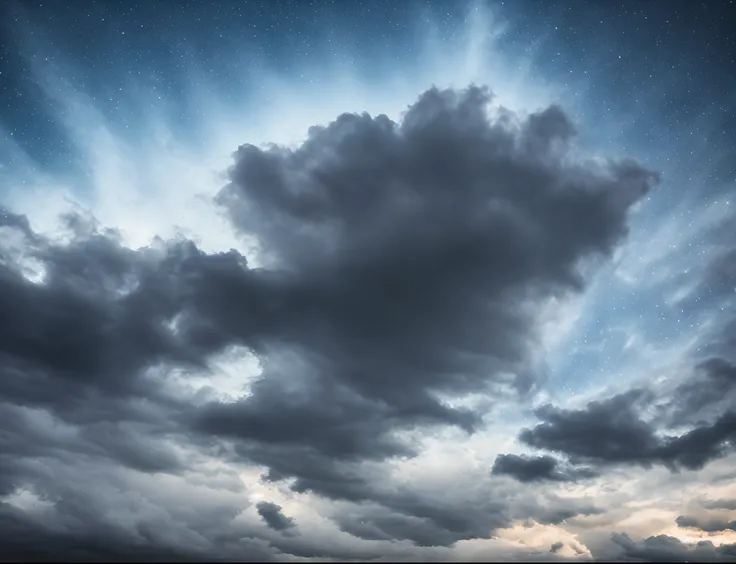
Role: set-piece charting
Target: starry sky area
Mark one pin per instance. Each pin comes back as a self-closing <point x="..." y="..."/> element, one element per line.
<point x="437" y="280"/>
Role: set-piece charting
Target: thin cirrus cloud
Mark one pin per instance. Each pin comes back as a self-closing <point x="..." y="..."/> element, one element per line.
<point x="347" y="343"/>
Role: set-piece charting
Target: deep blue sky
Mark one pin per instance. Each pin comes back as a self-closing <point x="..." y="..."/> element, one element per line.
<point x="663" y="69"/>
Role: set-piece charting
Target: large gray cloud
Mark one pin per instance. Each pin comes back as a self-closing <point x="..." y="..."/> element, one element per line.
<point x="401" y="264"/>
<point x="618" y="431"/>
<point x="538" y="469"/>
<point x="403" y="260"/>
<point x="441" y="519"/>
<point x="26" y="540"/>
<point x="709" y="525"/>
<point x="664" y="548"/>
<point x="729" y="504"/>
<point x="93" y="510"/>
<point x="612" y="432"/>
<point x="273" y="516"/>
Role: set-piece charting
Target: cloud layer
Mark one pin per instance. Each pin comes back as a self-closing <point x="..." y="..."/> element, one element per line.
<point x="400" y="271"/>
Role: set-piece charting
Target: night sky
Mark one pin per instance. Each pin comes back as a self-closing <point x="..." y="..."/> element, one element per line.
<point x="402" y="280"/>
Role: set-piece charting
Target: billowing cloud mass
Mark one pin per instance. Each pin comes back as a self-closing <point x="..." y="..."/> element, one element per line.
<point x="712" y="526"/>
<point x="538" y="468"/>
<point x="664" y="548"/>
<point x="556" y="547"/>
<point x="461" y="331"/>
<point x="613" y="432"/>
<point x="271" y="513"/>
<point x="403" y="264"/>
<point x="401" y="267"/>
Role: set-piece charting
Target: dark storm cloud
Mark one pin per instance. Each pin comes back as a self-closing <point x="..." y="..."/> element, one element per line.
<point x="538" y="469"/>
<point x="80" y="346"/>
<point x="608" y="432"/>
<point x="388" y="526"/>
<point x="604" y="431"/>
<point x="273" y="516"/>
<point x="79" y="355"/>
<point x="663" y="548"/>
<point x="430" y="520"/>
<point x="30" y="434"/>
<point x="27" y="540"/>
<point x="425" y="518"/>
<point x="91" y="327"/>
<point x="401" y="262"/>
<point x="556" y="547"/>
<point x="729" y="504"/>
<point x="709" y="525"/>
<point x="90" y="509"/>
<point x="81" y="532"/>
<point x="615" y="431"/>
